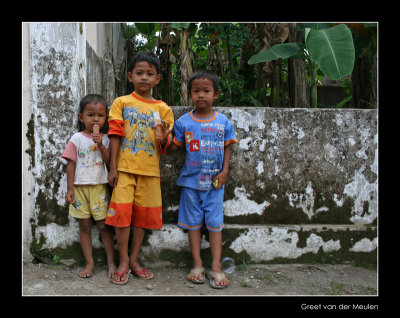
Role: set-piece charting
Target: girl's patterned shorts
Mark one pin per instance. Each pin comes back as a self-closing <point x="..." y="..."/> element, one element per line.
<point x="90" y="201"/>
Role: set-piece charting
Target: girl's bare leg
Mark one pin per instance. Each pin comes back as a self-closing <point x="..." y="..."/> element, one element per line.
<point x="85" y="228"/>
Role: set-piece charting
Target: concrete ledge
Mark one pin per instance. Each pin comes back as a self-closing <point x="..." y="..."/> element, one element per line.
<point x="272" y="244"/>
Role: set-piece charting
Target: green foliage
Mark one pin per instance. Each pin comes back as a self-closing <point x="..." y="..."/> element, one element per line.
<point x="230" y="50"/>
<point x="277" y="51"/>
<point x="333" y="50"/>
<point x="56" y="259"/>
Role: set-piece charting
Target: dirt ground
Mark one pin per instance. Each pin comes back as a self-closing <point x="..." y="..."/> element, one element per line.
<point x="250" y="280"/>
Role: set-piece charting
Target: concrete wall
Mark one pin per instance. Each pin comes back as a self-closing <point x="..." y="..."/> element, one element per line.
<point x="59" y="68"/>
<point x="302" y="186"/>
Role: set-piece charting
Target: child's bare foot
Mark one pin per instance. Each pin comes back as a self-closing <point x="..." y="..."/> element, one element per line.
<point x="111" y="270"/>
<point x="87" y="271"/>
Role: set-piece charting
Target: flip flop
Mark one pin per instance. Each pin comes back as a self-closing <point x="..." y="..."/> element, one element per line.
<point x="121" y="282"/>
<point x="142" y="272"/>
<point x="212" y="276"/>
<point x="196" y="271"/>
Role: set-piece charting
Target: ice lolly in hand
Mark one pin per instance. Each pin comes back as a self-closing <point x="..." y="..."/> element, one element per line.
<point x="96" y="128"/>
<point x="157" y="122"/>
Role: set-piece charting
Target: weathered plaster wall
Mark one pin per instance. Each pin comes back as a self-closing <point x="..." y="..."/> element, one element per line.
<point x="55" y="66"/>
<point x="59" y="68"/>
<point x="302" y="186"/>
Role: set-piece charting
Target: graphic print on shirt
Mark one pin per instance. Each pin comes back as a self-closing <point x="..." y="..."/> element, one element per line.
<point x="140" y="122"/>
<point x="188" y="136"/>
<point x="194" y="145"/>
<point x="212" y="149"/>
<point x="89" y="157"/>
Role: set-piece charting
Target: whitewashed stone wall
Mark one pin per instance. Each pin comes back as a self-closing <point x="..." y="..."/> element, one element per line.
<point x="303" y="182"/>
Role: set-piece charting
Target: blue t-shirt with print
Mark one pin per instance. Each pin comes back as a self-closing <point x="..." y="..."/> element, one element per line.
<point x="204" y="140"/>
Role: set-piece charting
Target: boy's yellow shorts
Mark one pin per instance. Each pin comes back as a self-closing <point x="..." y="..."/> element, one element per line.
<point x="136" y="200"/>
<point x="90" y="201"/>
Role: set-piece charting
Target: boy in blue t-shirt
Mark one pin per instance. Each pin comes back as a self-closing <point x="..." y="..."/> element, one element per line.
<point x="206" y="136"/>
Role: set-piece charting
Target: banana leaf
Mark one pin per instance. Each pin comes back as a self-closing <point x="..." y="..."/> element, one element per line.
<point x="276" y="51"/>
<point x="333" y="50"/>
<point x="148" y="29"/>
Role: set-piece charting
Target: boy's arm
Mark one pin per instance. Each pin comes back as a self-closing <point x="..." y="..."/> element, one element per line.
<point x="165" y="130"/>
<point x="173" y="146"/>
<point x="222" y="177"/>
<point x="115" y="142"/>
<point x="69" y="197"/>
<point x="167" y="124"/>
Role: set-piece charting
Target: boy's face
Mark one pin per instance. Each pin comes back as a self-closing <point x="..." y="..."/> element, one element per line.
<point x="202" y="93"/>
<point x="144" y="77"/>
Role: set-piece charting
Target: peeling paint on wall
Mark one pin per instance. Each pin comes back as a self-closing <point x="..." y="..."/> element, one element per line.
<point x="241" y="205"/>
<point x="365" y="245"/>
<point x="64" y="236"/>
<point x="57" y="83"/>
<point x="169" y="237"/>
<point x="263" y="244"/>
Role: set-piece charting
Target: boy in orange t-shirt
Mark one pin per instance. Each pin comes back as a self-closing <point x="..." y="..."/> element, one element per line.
<point x="134" y="163"/>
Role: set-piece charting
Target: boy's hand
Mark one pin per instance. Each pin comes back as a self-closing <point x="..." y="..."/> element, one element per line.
<point x="113" y="178"/>
<point x="220" y="179"/>
<point x="164" y="132"/>
<point x="70" y="196"/>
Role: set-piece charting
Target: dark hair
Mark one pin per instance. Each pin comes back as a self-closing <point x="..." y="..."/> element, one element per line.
<point x="95" y="99"/>
<point x="145" y="56"/>
<point x="205" y="74"/>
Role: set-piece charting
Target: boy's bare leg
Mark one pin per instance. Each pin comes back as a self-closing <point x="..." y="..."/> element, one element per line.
<point x="122" y="234"/>
<point x="85" y="228"/>
<point x="195" y="246"/>
<point x="216" y="251"/>
<point x="108" y="242"/>
<point x="137" y="240"/>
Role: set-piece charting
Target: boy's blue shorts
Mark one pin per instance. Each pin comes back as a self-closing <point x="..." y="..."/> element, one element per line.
<point x="196" y="206"/>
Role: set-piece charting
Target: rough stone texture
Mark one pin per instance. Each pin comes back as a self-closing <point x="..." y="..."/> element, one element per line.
<point x="296" y="173"/>
<point x="295" y="166"/>
<point x="302" y="184"/>
<point x="57" y="56"/>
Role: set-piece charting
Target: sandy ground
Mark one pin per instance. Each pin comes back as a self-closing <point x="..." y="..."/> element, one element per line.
<point x="250" y="280"/>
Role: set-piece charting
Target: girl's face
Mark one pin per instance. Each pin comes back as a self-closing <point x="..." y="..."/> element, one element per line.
<point x="93" y="114"/>
<point x="202" y="93"/>
<point x="144" y="77"/>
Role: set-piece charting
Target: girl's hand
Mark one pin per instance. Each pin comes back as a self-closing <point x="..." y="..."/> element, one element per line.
<point x="97" y="139"/>
<point x="70" y="196"/>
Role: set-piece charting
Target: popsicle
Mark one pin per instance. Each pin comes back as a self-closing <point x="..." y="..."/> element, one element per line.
<point x="96" y="131"/>
<point x="157" y="121"/>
